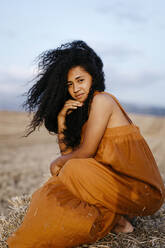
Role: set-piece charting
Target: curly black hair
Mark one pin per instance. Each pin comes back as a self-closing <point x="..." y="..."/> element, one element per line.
<point x="49" y="93"/>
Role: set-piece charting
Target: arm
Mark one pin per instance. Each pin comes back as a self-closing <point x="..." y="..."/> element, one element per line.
<point x="101" y="111"/>
<point x="69" y="105"/>
<point x="61" y="127"/>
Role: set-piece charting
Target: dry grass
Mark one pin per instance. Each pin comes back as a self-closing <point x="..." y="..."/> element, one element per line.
<point x="149" y="231"/>
<point x="24" y="166"/>
<point x="10" y="222"/>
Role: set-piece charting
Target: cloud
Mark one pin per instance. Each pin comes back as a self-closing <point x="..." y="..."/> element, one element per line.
<point x="135" y="79"/>
<point x="13" y="84"/>
<point x="119" y="51"/>
<point x="14" y="78"/>
<point x="142" y="87"/>
<point x="123" y="11"/>
<point x="16" y="71"/>
<point x="11" y="101"/>
<point x="139" y="87"/>
<point x="8" y="33"/>
<point x="132" y="85"/>
<point x="146" y="95"/>
<point x="125" y="66"/>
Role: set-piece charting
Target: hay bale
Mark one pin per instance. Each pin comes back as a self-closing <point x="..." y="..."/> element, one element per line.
<point x="149" y="231"/>
<point x="9" y="223"/>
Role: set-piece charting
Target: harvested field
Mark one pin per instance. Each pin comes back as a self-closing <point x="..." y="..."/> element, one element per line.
<point x="24" y="166"/>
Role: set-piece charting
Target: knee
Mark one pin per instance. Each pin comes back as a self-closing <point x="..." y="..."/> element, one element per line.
<point x="73" y="167"/>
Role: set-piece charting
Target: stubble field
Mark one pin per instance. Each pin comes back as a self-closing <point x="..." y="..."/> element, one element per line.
<point x="24" y="162"/>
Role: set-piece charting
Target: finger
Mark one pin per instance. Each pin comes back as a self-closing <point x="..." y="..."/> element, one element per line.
<point x="71" y="106"/>
<point x="74" y="102"/>
<point x="70" y="110"/>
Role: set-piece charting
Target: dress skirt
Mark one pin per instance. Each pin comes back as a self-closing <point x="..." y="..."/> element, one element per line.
<point x="82" y="204"/>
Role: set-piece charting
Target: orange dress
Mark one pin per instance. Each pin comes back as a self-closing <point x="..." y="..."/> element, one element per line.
<point x="84" y="201"/>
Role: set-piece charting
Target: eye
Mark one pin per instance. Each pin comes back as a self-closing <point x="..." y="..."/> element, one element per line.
<point x="81" y="80"/>
<point x="69" y="84"/>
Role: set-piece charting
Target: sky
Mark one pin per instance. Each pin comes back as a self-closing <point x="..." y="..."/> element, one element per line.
<point x="128" y="35"/>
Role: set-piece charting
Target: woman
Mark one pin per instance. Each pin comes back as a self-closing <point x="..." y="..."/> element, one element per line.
<point x="106" y="173"/>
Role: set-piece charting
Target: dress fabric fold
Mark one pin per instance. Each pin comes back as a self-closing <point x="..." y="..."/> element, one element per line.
<point x="84" y="201"/>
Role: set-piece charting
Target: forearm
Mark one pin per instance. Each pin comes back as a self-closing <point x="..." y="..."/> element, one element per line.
<point x="69" y="106"/>
<point x="62" y="145"/>
<point x="78" y="153"/>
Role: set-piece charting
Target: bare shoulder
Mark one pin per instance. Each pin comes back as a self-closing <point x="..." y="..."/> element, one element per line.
<point x="104" y="99"/>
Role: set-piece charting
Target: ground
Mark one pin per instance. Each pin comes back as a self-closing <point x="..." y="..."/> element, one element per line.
<point x="24" y="166"/>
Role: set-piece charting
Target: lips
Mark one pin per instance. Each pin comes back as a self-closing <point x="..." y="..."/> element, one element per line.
<point x="79" y="96"/>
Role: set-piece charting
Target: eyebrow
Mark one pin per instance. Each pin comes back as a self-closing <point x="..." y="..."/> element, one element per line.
<point x="75" y="78"/>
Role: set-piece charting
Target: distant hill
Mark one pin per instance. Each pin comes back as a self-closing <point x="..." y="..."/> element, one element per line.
<point x="139" y="109"/>
<point x="13" y="105"/>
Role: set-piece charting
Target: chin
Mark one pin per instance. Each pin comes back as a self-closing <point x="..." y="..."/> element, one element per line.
<point x="83" y="99"/>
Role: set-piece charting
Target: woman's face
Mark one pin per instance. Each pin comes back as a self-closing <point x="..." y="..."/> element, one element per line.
<point x="79" y="83"/>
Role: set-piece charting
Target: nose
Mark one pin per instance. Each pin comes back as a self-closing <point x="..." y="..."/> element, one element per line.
<point x="75" y="87"/>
